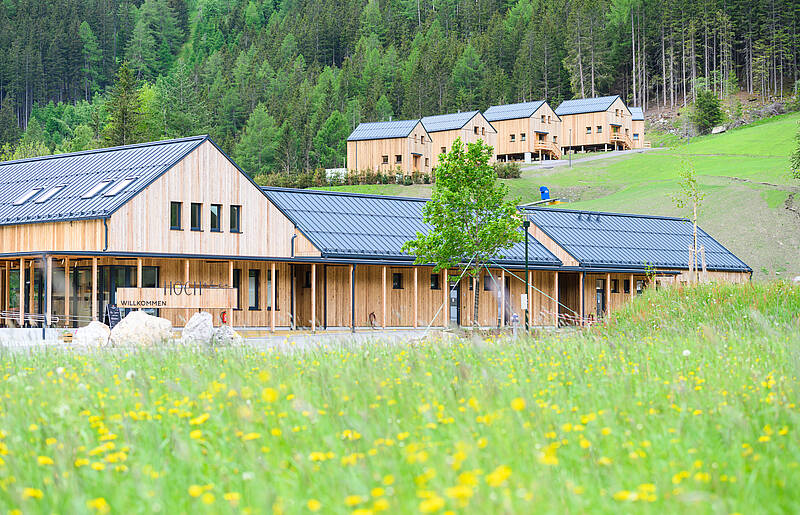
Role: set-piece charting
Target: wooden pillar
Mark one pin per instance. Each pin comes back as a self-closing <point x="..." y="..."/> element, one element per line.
<point x="313" y="297"/>
<point x="446" y="307"/>
<point x="139" y="277"/>
<point x="187" y="312"/>
<point x="7" y="290"/>
<point x="608" y="293"/>
<point x="274" y="272"/>
<point x="384" y="297"/>
<point x="232" y="309"/>
<point x="67" y="293"/>
<point x="416" y="298"/>
<point x="21" y="292"/>
<point x="32" y="291"/>
<point x="632" y="288"/>
<point x="555" y="296"/>
<point x="48" y="270"/>
<point x="503" y="297"/>
<point x="529" y="290"/>
<point x="95" y="307"/>
<point x="353" y="298"/>
<point x="581" y="284"/>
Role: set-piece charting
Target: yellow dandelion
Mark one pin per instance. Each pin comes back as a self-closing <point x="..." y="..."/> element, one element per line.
<point x="195" y="490"/>
<point x="314" y="505"/>
<point x="199" y="420"/>
<point x="196" y="434"/>
<point x="388" y="479"/>
<point x="44" y="460"/>
<point x="208" y="498"/>
<point x="99" y="504"/>
<point x="459" y="492"/>
<point x="377" y="492"/>
<point x="432" y="504"/>
<point x="269" y="394"/>
<point x="251" y="436"/>
<point x="352" y="500"/>
<point x="518" y="404"/>
<point x="232" y="497"/>
<point x="98" y="466"/>
<point x="499" y="475"/>
<point x="32" y="493"/>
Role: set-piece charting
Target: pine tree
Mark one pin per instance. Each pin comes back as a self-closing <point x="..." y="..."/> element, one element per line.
<point x="124" y="109"/>
<point x="91" y="60"/>
<point x="330" y="142"/>
<point x="257" y="149"/>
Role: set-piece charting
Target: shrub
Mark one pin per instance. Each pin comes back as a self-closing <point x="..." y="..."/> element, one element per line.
<point x="707" y="112"/>
<point x="508" y="170"/>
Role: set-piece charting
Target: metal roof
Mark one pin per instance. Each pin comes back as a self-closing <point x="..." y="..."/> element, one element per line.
<point x="376" y="226"/>
<point x="623" y="240"/>
<point x="512" y="111"/>
<point x="586" y="105"/>
<point x="79" y="172"/>
<point x="383" y="130"/>
<point x="636" y="113"/>
<point x="449" y="122"/>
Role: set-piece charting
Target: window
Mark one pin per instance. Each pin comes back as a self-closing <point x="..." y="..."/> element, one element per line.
<point x="544" y="118"/>
<point x="475" y="129"/>
<point x="269" y="290"/>
<point x="26" y="196"/>
<point x="614" y="285"/>
<point x="548" y="118"/>
<point x="555" y="138"/>
<point x="522" y="137"/>
<point x="253" y="286"/>
<point x="600" y="285"/>
<point x="97" y="188"/>
<point x="588" y="130"/>
<point x="639" y="287"/>
<point x="119" y="186"/>
<point x="175" y="216"/>
<point x="237" y="283"/>
<point x="236" y="218"/>
<point x="397" y="281"/>
<point x="49" y="194"/>
<point x="626" y="286"/>
<point x="635" y="135"/>
<point x="513" y="138"/>
<point x="385" y="160"/>
<point x="599" y="129"/>
<point x="307" y="282"/>
<point x="216" y="217"/>
<point x="427" y="162"/>
<point x="483" y="131"/>
<point x="398" y="158"/>
<point x="444" y="150"/>
<point x="488" y="282"/>
<point x="197" y="220"/>
<point x="435" y="282"/>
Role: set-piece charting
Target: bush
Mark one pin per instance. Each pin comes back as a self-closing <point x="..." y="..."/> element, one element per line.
<point x="707" y="111"/>
<point x="508" y="170"/>
<point x="321" y="178"/>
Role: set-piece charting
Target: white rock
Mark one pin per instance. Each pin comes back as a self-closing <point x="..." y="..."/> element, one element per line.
<point x="796" y="279"/>
<point x="718" y="129"/>
<point x="225" y="335"/>
<point x="93" y="335"/>
<point x="141" y="329"/>
<point x="199" y="329"/>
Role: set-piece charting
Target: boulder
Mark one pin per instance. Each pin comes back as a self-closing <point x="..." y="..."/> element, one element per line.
<point x="718" y="129"/>
<point x="199" y="330"/>
<point x="225" y="336"/>
<point x="93" y="335"/>
<point x="141" y="329"/>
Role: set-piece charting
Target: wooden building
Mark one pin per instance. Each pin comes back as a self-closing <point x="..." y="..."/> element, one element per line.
<point x="174" y="227"/>
<point x="600" y="123"/>
<point x="637" y="128"/>
<point x="470" y="126"/>
<point x="400" y="145"/>
<point x="526" y="131"/>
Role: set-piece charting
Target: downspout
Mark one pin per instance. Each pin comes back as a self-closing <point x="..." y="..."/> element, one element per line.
<point x="105" y="224"/>
<point x="293" y="238"/>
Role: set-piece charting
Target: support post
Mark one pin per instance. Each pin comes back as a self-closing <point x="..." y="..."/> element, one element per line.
<point x="21" y="292"/>
<point x="632" y="288"/>
<point x="67" y="292"/>
<point x="503" y="297"/>
<point x="555" y="295"/>
<point x="446" y="308"/>
<point x="608" y="293"/>
<point x="186" y="279"/>
<point x="353" y="298"/>
<point x="139" y="277"/>
<point x="529" y="291"/>
<point x="32" y="291"/>
<point x="49" y="291"/>
<point x="230" y="285"/>
<point x="581" y="295"/>
<point x="384" y="297"/>
<point x="525" y="226"/>
<point x="325" y="296"/>
<point x="273" y="272"/>
<point x="313" y="297"/>
<point x="416" y="297"/>
<point x="95" y="307"/>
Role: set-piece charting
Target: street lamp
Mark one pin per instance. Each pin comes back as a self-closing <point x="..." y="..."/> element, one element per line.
<point x="570" y="147"/>
<point x="525" y="224"/>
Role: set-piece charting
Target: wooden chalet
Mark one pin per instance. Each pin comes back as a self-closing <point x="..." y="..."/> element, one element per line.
<point x="637" y="128"/>
<point x="470" y="126"/>
<point x="400" y="145"/>
<point x="600" y="123"/>
<point x="526" y="131"/>
<point x="175" y="226"/>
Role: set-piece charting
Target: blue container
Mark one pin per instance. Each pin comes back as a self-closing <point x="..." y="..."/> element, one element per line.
<point x="545" y="192"/>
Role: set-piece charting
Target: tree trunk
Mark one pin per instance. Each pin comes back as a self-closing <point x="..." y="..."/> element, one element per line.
<point x="633" y="57"/>
<point x="663" y="67"/>
<point x="476" y="288"/>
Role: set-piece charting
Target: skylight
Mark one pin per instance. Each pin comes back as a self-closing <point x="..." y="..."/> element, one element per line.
<point x="118" y="187"/>
<point x="100" y="186"/>
<point x="27" y="196"/>
<point x="47" y="195"/>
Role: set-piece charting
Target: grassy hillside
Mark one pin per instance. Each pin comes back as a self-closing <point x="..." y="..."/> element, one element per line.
<point x="683" y="403"/>
<point x="743" y="172"/>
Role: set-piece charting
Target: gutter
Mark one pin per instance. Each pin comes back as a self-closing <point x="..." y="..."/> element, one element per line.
<point x="105" y="225"/>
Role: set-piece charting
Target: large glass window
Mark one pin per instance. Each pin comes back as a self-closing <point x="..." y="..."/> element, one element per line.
<point x="197" y="216"/>
<point x="216" y="218"/>
<point x="272" y="284"/>
<point x="175" y="216"/>
<point x="237" y="283"/>
<point x="236" y="215"/>
<point x="253" y="287"/>
<point x="397" y="281"/>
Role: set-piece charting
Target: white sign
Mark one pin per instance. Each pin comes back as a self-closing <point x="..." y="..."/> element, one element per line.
<point x="523" y="301"/>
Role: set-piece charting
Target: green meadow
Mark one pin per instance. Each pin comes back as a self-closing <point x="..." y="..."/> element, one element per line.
<point x="686" y="401"/>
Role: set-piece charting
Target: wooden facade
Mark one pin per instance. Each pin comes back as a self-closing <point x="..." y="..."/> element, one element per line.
<point x="610" y="129"/>
<point x="637" y="134"/>
<point x="412" y="153"/>
<point x="535" y="137"/>
<point x="477" y="128"/>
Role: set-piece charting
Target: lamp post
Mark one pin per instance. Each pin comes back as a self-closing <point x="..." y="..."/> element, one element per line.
<point x="525" y="225"/>
<point x="570" y="147"/>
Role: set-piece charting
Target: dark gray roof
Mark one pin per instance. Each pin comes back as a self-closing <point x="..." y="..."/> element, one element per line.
<point x="352" y="225"/>
<point x="636" y="113"/>
<point x="585" y="105"/>
<point x="449" y="122"/>
<point x="622" y="240"/>
<point x="79" y="172"/>
<point x="383" y="130"/>
<point x="512" y="111"/>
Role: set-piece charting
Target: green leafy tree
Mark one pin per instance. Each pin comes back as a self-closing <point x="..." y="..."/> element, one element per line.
<point x="257" y="150"/>
<point x="124" y="109"/>
<point x="707" y="112"/>
<point x="91" y="60"/>
<point x="690" y="197"/>
<point x="468" y="76"/>
<point x="330" y="142"/>
<point x="141" y="51"/>
<point x="471" y="221"/>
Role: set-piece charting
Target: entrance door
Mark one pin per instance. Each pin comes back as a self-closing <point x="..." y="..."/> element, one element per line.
<point x="416" y="162"/>
<point x="600" y="294"/>
<point x="455" y="301"/>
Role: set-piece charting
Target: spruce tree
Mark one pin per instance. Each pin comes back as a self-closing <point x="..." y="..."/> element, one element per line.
<point x="124" y="109"/>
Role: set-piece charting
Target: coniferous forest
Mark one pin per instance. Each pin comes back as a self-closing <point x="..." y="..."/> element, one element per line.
<point x="280" y="84"/>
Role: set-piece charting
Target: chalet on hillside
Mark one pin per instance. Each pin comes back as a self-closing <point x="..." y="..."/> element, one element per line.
<point x="387" y="146"/>
<point x="637" y="128"/>
<point x="599" y="123"/>
<point x="526" y="131"/>
<point x="470" y="126"/>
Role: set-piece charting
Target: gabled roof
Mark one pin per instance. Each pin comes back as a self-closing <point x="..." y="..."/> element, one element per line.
<point x="586" y="105"/>
<point x="353" y="225"/>
<point x="597" y="239"/>
<point x="513" y="111"/>
<point x="636" y="113"/>
<point x="449" y="122"/>
<point x="78" y="173"/>
<point x="383" y="130"/>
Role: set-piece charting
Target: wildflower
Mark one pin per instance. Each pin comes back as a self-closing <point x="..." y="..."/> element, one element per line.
<point x="31" y="493"/>
<point x="432" y="504"/>
<point x="130" y="375"/>
<point x="377" y="492"/>
<point x="98" y="466"/>
<point x="81" y="462"/>
<point x="275" y="431"/>
<point x="388" y="479"/>
<point x="380" y="504"/>
<point x="195" y="490"/>
<point x="99" y="504"/>
<point x="518" y="404"/>
<point x="196" y="434"/>
<point x="232" y="497"/>
<point x="604" y="460"/>
<point x="50" y="441"/>
<point x="44" y="460"/>
<point x="251" y="436"/>
<point x="208" y="498"/>
<point x="199" y="420"/>
<point x="459" y="492"/>
<point x="269" y="394"/>
<point x="498" y="476"/>
<point x="624" y="495"/>
<point x="686" y="353"/>
<point x="314" y="505"/>
<point x="352" y="500"/>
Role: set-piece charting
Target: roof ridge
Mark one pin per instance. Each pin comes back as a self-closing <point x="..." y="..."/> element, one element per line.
<point x="341" y="193"/>
<point x="105" y="149"/>
<point x="606" y="213"/>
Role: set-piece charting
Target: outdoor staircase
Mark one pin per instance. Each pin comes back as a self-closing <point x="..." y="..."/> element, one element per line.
<point x="549" y="147"/>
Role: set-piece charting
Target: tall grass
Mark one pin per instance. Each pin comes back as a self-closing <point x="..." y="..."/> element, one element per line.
<point x="685" y="401"/>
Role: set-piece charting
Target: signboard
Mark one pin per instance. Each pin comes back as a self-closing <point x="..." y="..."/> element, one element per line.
<point x="177" y="296"/>
<point x="112" y="315"/>
<point x="523" y="301"/>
